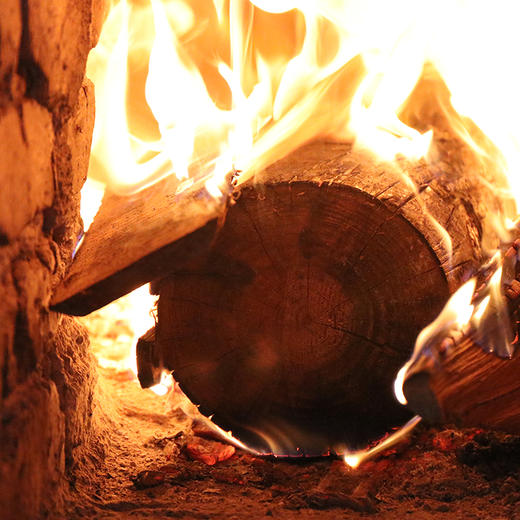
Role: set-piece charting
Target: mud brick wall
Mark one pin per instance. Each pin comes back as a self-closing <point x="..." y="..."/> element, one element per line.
<point x="46" y="121"/>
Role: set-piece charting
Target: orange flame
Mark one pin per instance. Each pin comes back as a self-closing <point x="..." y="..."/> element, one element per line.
<point x="198" y="89"/>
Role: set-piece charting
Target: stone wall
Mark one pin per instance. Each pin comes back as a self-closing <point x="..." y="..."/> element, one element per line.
<point x="46" y="121"/>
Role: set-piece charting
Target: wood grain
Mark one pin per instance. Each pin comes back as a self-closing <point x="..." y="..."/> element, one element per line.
<point x="310" y="299"/>
<point x="136" y="239"/>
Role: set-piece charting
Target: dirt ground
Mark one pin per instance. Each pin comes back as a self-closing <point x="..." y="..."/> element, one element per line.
<point x="147" y="463"/>
<point x="146" y="459"/>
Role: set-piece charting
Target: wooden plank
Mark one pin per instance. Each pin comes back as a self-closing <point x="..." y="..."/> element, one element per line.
<point x="136" y="239"/>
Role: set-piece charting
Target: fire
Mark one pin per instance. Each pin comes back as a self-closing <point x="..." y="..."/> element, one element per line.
<point x="201" y="89"/>
<point x="117" y="327"/>
<point x="354" y="459"/>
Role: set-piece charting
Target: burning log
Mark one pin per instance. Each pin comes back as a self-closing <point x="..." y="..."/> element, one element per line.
<point x="469" y="388"/>
<point x="292" y="328"/>
<point x="465" y="382"/>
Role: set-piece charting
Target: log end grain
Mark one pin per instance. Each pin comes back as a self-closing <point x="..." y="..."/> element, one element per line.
<point x="292" y="329"/>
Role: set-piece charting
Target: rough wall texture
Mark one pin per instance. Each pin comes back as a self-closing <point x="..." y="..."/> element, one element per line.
<point x="46" y="120"/>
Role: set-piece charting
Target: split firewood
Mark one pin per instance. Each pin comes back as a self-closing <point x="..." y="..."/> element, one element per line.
<point x="465" y="382"/>
<point x="292" y="328"/>
<point x="135" y="239"/>
<point x="471" y="388"/>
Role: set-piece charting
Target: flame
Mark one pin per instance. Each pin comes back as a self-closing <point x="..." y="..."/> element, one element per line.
<point x="456" y="314"/>
<point x="201" y="89"/>
<point x="355" y="458"/>
<point x="91" y="198"/>
<point x="116" y="329"/>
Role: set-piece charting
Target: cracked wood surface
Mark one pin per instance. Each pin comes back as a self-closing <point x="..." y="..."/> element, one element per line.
<point x="313" y="293"/>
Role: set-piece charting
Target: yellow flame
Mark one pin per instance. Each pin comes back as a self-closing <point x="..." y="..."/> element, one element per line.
<point x="354" y="459"/>
<point x="481" y="309"/>
<point x="200" y="88"/>
<point x="115" y="329"/>
<point x="91" y="197"/>
<point x="399" y="382"/>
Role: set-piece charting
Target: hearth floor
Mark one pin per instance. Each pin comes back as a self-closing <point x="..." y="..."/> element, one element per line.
<point x="139" y="466"/>
<point x="139" y="463"/>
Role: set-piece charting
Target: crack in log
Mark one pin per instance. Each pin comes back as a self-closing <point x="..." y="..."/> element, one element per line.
<point x="261" y="239"/>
